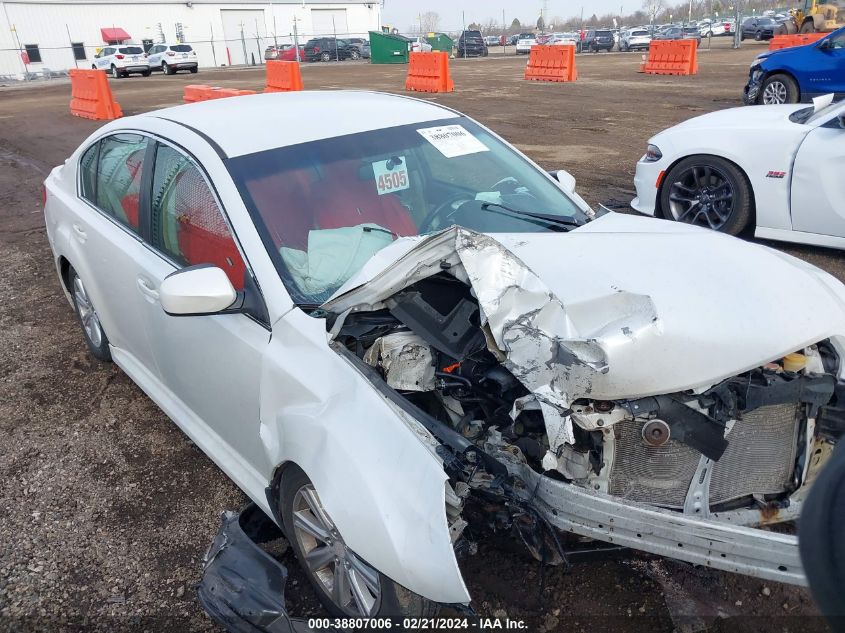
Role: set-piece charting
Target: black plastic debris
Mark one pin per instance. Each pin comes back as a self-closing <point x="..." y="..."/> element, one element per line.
<point x="242" y="586"/>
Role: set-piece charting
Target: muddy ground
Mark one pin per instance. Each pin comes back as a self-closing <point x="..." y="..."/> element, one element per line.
<point x="107" y="508"/>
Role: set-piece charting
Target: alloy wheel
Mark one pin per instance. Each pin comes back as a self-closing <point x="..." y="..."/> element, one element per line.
<point x="702" y="195"/>
<point x="775" y="93"/>
<point x="352" y="584"/>
<point x="87" y="314"/>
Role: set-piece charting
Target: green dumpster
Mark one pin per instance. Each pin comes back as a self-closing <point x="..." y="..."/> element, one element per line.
<point x="440" y="42"/>
<point x="386" y="48"/>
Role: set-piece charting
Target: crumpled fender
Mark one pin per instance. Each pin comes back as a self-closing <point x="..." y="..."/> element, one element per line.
<point x="373" y="465"/>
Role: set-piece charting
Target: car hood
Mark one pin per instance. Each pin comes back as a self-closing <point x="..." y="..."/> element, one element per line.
<point x="762" y="117"/>
<point x="624" y="307"/>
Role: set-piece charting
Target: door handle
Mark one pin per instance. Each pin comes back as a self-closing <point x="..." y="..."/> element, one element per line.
<point x="147" y="289"/>
<point x="80" y="232"/>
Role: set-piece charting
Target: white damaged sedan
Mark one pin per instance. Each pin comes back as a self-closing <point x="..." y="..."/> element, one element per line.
<point x="373" y="323"/>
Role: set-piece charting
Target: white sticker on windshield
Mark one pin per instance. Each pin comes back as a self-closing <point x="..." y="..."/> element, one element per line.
<point x="391" y="175"/>
<point x="453" y="140"/>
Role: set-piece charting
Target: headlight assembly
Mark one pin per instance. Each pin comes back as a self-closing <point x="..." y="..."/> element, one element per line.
<point x="652" y="154"/>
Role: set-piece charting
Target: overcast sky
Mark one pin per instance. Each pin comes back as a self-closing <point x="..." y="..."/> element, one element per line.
<point x="403" y="13"/>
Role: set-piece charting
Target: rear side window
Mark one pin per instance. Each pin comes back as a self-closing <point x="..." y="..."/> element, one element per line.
<point x="119" y="173"/>
<point x="187" y="223"/>
<point x="181" y="48"/>
<point x="88" y="173"/>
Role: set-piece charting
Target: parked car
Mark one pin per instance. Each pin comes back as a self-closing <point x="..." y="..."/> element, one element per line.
<point x="713" y="28"/>
<point x="761" y="28"/>
<point x="122" y="61"/>
<point x="171" y="58"/>
<point x="471" y="44"/>
<point x="358" y="44"/>
<point x="564" y="39"/>
<point x="513" y="40"/>
<point x="284" y="52"/>
<point x="798" y="74"/>
<point x="420" y="44"/>
<point x="327" y="49"/>
<point x="597" y="40"/>
<point x="492" y="40"/>
<point x="679" y="33"/>
<point x="365" y="50"/>
<point x="524" y="43"/>
<point x="776" y="169"/>
<point x="511" y="347"/>
<point x="634" y="40"/>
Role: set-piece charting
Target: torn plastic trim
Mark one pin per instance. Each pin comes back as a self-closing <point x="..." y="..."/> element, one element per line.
<point x="242" y="586"/>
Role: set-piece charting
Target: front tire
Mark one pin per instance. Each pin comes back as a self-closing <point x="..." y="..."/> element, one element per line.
<point x="758" y="36"/>
<point x="779" y="89"/>
<point x="325" y="57"/>
<point x="707" y="191"/>
<point x="89" y="320"/>
<point x="354" y="55"/>
<point x="345" y="584"/>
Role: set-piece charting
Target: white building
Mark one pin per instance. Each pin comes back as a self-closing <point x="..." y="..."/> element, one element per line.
<point x="37" y="36"/>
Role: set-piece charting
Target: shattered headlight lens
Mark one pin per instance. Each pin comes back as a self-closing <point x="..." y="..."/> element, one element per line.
<point x="652" y="154"/>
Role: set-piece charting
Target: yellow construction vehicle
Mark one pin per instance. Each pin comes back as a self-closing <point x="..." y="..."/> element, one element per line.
<point x="820" y="16"/>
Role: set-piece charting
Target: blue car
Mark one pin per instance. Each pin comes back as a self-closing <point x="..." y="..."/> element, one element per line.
<point x="794" y="75"/>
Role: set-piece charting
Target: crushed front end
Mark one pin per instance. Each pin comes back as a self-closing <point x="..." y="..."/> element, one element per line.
<point x="500" y="372"/>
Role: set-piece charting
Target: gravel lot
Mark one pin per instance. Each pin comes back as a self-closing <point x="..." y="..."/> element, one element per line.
<point x="108" y="508"/>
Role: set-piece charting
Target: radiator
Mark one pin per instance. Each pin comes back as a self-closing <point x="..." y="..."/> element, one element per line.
<point x="760" y="459"/>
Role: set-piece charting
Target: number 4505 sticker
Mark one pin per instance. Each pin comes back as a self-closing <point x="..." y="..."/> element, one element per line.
<point x="391" y="175"/>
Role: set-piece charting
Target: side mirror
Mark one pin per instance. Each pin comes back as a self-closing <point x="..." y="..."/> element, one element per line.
<point x="566" y="180"/>
<point x="196" y="290"/>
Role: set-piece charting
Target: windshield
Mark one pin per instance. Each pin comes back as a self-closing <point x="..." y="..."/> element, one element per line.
<point x="324" y="208"/>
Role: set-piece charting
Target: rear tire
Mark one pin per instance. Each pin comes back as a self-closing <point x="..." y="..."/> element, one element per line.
<point x="147" y="73"/>
<point x="707" y="191"/>
<point x="92" y="330"/>
<point x="325" y="57"/>
<point x="298" y="496"/>
<point x="115" y="73"/>
<point x="808" y="27"/>
<point x="758" y="36"/>
<point x="354" y="55"/>
<point x="194" y="70"/>
<point x="779" y="89"/>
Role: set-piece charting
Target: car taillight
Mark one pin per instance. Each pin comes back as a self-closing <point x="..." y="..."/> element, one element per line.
<point x="119" y="56"/>
<point x="170" y="53"/>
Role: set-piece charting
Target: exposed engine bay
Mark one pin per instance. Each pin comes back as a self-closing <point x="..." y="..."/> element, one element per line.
<point x="502" y="392"/>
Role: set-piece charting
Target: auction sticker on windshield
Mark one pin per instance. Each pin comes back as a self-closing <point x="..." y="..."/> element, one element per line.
<point x="453" y="140"/>
<point x="391" y="175"/>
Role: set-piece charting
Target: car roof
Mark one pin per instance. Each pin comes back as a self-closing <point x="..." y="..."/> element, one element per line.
<point x="254" y="123"/>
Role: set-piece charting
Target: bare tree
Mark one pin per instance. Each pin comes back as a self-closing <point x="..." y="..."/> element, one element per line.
<point x="430" y="22"/>
<point x="653" y="8"/>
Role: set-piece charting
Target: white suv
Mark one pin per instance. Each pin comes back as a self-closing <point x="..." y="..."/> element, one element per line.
<point x="121" y="60"/>
<point x="172" y="57"/>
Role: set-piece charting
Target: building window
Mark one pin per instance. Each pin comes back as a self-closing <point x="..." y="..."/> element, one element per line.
<point x="78" y="50"/>
<point x="33" y="53"/>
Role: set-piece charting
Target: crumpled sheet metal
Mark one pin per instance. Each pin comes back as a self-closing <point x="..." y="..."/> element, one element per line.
<point x="555" y="351"/>
<point x="242" y="586"/>
<point x="406" y="360"/>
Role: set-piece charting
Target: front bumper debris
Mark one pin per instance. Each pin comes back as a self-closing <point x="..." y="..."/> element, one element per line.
<point x="716" y="542"/>
<point x="242" y="587"/>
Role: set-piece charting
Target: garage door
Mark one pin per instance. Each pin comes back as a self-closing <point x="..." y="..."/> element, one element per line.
<point x="329" y="21"/>
<point x="246" y="34"/>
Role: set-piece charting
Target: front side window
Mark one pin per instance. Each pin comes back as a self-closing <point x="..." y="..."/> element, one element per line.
<point x="324" y="208"/>
<point x="119" y="174"/>
<point x="187" y="223"/>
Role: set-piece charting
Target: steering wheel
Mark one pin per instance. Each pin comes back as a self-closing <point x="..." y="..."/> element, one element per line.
<point x="440" y="209"/>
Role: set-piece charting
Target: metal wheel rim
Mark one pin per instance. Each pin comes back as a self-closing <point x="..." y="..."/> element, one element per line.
<point x="164" y="67"/>
<point x="114" y="72"/>
<point x="702" y="195"/>
<point x="326" y="57"/>
<point x="775" y="93"/>
<point x="87" y="314"/>
<point x="355" y="55"/>
<point x="352" y="585"/>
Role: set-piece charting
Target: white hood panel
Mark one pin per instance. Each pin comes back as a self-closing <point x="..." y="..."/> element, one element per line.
<point x="623" y="307"/>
